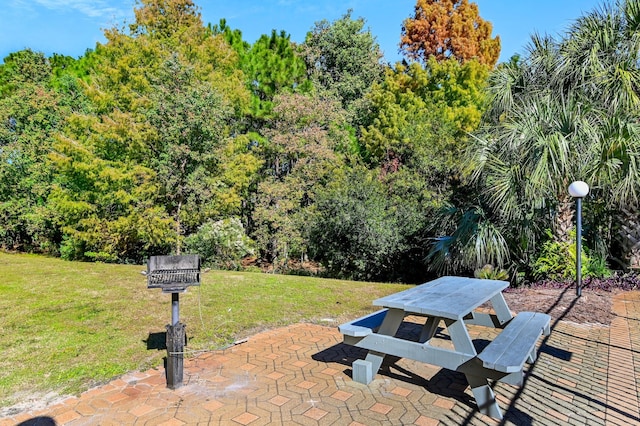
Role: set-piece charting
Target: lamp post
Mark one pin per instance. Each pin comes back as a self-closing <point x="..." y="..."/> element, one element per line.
<point x="578" y="190"/>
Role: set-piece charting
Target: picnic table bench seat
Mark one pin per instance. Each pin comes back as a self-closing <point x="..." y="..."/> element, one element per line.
<point x="516" y="344"/>
<point x="363" y="326"/>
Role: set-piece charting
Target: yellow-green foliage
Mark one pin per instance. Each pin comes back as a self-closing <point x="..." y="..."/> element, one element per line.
<point x="436" y="104"/>
<point x="489" y="272"/>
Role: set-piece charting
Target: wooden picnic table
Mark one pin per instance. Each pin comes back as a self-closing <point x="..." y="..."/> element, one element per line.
<point x="453" y="301"/>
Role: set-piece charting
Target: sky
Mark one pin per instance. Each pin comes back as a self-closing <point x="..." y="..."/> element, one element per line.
<point x="70" y="27"/>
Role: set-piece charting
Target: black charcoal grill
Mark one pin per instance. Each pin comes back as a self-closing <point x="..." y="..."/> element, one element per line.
<point x="173" y="274"/>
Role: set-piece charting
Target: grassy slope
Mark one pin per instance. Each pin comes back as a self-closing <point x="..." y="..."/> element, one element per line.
<point x="66" y="326"/>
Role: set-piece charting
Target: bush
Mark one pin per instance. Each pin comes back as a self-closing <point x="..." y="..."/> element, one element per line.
<point x="355" y="234"/>
<point x="488" y="272"/>
<point x="557" y="261"/>
<point x="72" y="249"/>
<point x="221" y="244"/>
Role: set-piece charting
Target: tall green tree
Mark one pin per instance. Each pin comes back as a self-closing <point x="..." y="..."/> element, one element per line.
<point x="189" y="122"/>
<point x="31" y="115"/>
<point x="421" y="113"/>
<point x="273" y="66"/>
<point x="107" y="210"/>
<point x="232" y="36"/>
<point x="161" y="30"/>
<point x="344" y="59"/>
<point x="165" y="94"/>
<point x="23" y="67"/>
<point x="66" y="68"/>
<point x="301" y="153"/>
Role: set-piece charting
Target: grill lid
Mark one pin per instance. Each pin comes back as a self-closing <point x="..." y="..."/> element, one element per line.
<point x="173" y="274"/>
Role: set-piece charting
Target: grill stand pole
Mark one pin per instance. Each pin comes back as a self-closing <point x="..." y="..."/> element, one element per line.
<point x="175" y="345"/>
<point x="175" y="308"/>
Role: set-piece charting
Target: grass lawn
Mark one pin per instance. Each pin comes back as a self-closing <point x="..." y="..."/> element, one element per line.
<point x="68" y="326"/>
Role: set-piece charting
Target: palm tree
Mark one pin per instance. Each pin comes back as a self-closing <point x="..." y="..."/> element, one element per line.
<point x="474" y="242"/>
<point x="567" y="111"/>
<point x="527" y="153"/>
<point x="601" y="58"/>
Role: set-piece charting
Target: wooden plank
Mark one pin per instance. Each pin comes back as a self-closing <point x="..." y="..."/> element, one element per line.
<point x="482" y="319"/>
<point x="511" y="348"/>
<point x="467" y="297"/>
<point x="447" y="297"/>
<point x="513" y="360"/>
<point x="502" y="343"/>
<point x="425" y="292"/>
<point x="485" y="398"/>
<point x="363" y="326"/>
<point x="389" y="327"/>
<point x="460" y="336"/>
<point x="422" y="352"/>
<point x="429" y="329"/>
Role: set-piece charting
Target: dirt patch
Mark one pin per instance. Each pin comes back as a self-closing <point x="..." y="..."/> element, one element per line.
<point x="31" y="402"/>
<point x="593" y="307"/>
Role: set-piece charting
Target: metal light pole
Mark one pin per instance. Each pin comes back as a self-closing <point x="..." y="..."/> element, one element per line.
<point x="578" y="190"/>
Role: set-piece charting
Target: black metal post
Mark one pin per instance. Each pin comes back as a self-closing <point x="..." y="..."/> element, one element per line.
<point x="578" y="246"/>
<point x="175" y="355"/>
<point x="175" y="345"/>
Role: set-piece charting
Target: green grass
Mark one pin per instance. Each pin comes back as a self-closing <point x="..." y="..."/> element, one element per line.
<point x="67" y="326"/>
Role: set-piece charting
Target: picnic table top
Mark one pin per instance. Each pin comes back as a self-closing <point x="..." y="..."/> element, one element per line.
<point x="446" y="297"/>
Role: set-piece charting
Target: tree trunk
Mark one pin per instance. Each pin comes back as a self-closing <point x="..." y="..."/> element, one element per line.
<point x="629" y="237"/>
<point x="564" y="220"/>
<point x="178" y="228"/>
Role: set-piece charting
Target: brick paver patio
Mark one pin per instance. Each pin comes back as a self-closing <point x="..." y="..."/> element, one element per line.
<point x="585" y="375"/>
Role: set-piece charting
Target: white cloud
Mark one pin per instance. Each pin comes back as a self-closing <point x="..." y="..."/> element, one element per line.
<point x="90" y="8"/>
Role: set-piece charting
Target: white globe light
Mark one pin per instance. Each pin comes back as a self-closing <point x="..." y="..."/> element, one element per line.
<point x="578" y="189"/>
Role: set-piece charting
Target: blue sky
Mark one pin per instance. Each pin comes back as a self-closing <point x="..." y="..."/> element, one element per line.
<point x="70" y="27"/>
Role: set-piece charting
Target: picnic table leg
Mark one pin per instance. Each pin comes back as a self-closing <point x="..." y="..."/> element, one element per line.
<point x="500" y="307"/>
<point x="365" y="369"/>
<point x="429" y="329"/>
<point x="482" y="392"/>
<point x="485" y="398"/>
<point x="460" y="336"/>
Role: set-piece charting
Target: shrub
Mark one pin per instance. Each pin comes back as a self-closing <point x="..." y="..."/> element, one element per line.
<point x="71" y="249"/>
<point x="221" y="244"/>
<point x="488" y="272"/>
<point x="355" y="233"/>
<point x="557" y="261"/>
